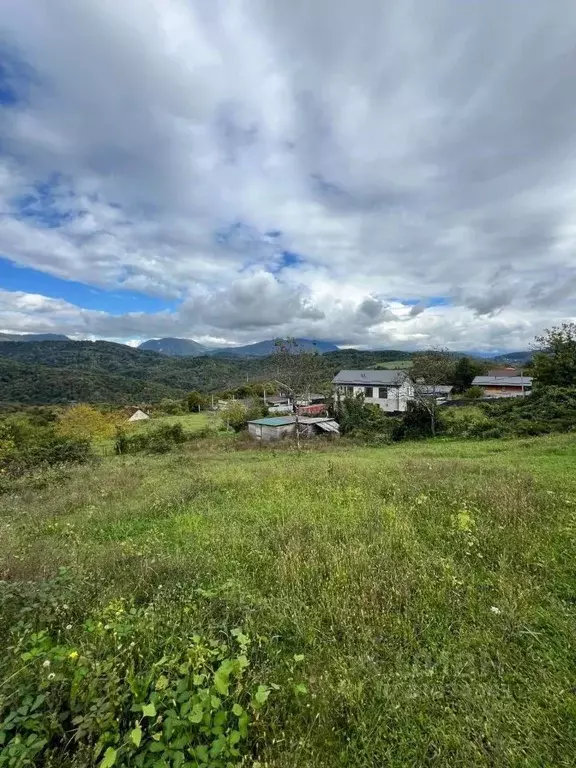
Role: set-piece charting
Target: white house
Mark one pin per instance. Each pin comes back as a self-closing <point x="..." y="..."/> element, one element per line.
<point x="389" y="389"/>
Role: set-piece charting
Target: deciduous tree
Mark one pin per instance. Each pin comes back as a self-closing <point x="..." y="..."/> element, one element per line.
<point x="429" y="371"/>
<point x="555" y="358"/>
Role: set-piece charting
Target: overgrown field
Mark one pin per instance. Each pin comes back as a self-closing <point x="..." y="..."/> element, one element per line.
<point x="413" y="605"/>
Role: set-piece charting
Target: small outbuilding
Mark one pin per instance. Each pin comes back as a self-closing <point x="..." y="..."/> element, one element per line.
<point x="277" y="427"/>
<point x="139" y="416"/>
<point x="504" y="386"/>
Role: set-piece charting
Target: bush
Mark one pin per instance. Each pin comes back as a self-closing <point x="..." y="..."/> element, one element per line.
<point x="236" y="415"/>
<point x="464" y="422"/>
<point x="473" y="393"/>
<point x="170" y="407"/>
<point x="83" y="422"/>
<point x="415" y="423"/>
<point x="25" y="446"/>
<point x="360" y="419"/>
<point x="155" y="440"/>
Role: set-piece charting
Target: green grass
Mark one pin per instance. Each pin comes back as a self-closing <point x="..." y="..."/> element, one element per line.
<point x="414" y="605"/>
<point x="191" y="422"/>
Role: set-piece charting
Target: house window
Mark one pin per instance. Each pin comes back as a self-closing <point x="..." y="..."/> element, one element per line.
<point x="347" y="391"/>
<point x="383" y="393"/>
<point x="368" y="391"/>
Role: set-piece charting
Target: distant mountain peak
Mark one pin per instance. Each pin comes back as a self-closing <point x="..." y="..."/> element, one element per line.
<point x="269" y="346"/>
<point x="174" y="347"/>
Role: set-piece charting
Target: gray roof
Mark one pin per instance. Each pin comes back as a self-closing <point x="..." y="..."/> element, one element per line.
<point x="438" y="389"/>
<point x="383" y="377"/>
<point x="502" y="381"/>
<point x="282" y="421"/>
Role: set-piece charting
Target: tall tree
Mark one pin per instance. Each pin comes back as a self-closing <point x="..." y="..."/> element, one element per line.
<point x="297" y="374"/>
<point x="464" y="372"/>
<point x="429" y="371"/>
<point x="555" y="358"/>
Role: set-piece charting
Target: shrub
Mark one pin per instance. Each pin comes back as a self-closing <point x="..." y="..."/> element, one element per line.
<point x="236" y="415"/>
<point x="154" y="440"/>
<point x="170" y="407"/>
<point x="84" y="422"/>
<point x="360" y="419"/>
<point x="24" y="446"/>
<point x="473" y="393"/>
<point x="415" y="423"/>
<point x="464" y="422"/>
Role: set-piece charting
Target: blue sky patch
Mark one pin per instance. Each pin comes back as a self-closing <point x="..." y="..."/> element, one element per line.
<point x="42" y="205"/>
<point x="15" y="278"/>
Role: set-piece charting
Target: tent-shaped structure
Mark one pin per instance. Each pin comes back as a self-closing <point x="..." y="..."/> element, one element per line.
<point x="139" y="416"/>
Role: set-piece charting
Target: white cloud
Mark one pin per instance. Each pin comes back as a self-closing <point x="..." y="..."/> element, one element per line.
<point x="404" y="151"/>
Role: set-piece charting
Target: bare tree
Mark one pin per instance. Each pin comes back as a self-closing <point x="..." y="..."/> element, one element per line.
<point x="431" y="370"/>
<point x="297" y="373"/>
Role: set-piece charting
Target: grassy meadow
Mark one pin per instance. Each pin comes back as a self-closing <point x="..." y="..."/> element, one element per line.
<point x="413" y="605"/>
<point x="191" y="422"/>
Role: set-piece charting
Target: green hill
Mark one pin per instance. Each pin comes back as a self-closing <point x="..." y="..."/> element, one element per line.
<point x="101" y="371"/>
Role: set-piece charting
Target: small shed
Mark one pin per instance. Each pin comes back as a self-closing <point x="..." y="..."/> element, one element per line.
<point x="139" y="416"/>
<point x="277" y="427"/>
<point x="504" y="386"/>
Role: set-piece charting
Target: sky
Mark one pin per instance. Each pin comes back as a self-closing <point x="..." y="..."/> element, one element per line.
<point x="379" y="173"/>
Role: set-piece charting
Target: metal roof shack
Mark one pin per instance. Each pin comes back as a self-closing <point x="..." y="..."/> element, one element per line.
<point x="504" y="386"/>
<point x="384" y="377"/>
<point x="278" y="427"/>
<point x="502" y="381"/>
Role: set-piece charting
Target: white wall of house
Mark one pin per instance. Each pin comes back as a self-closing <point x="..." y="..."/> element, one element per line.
<point x="389" y="398"/>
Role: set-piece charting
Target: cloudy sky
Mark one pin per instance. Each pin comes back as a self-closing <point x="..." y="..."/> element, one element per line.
<point x="374" y="172"/>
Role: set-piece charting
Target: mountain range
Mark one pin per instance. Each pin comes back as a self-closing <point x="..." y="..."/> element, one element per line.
<point x="33" y="337"/>
<point x="178" y="347"/>
<point x="189" y="348"/>
<point x="45" y="372"/>
<point x="175" y="347"/>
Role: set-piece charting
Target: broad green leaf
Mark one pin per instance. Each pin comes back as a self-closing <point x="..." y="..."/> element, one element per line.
<point x="220" y="718"/>
<point x="197" y="714"/>
<point x="234" y="737"/>
<point x="202" y="753"/>
<point x="215" y="702"/>
<point x="301" y="688"/>
<point x="136" y="735"/>
<point x="109" y="758"/>
<point x="149" y="710"/>
<point x="237" y="710"/>
<point x="162" y="683"/>
<point x="221" y="677"/>
<point x="262" y="694"/>
<point x="38" y="700"/>
<point x="157" y="746"/>
<point x="298" y="657"/>
<point x="243" y="724"/>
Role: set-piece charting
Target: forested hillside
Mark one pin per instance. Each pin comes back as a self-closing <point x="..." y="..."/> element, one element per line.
<point x="41" y="384"/>
<point x="100" y="371"/>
